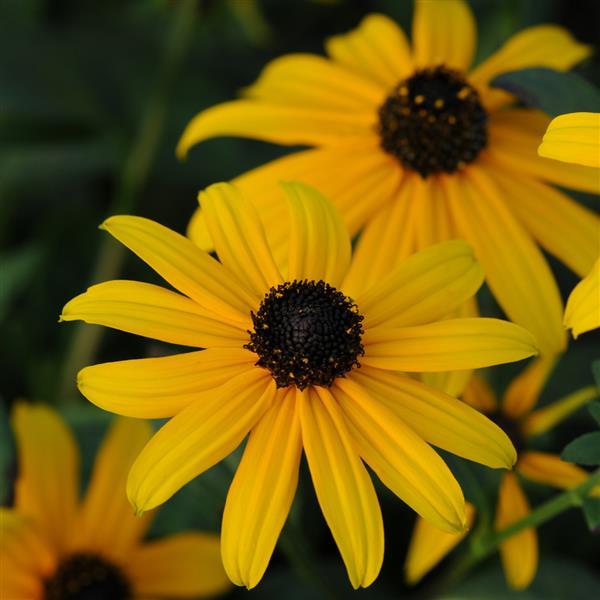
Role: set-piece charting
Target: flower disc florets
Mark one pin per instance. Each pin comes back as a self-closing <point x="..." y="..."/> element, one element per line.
<point x="87" y="577"/>
<point x="306" y="333"/>
<point x="433" y="122"/>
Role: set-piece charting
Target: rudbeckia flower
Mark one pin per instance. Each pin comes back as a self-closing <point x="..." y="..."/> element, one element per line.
<point x="414" y="148"/>
<point x="55" y="547"/>
<point x="283" y="347"/>
<point x="516" y="415"/>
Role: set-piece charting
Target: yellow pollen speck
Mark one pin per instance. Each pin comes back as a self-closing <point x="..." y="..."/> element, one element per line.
<point x="463" y="93"/>
<point x="419" y="99"/>
<point x="452" y="120"/>
<point x="403" y="91"/>
<point x="439" y="103"/>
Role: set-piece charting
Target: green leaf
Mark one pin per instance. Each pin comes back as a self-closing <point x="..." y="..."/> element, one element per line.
<point x="594" y="408"/>
<point x="591" y="512"/>
<point x="7" y="455"/>
<point x="554" y="92"/>
<point x="585" y="450"/>
<point x="596" y="372"/>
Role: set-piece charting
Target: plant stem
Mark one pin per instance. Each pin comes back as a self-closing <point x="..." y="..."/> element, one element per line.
<point x="130" y="183"/>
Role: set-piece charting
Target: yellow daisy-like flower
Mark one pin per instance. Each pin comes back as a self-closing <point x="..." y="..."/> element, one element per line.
<point x="414" y="148"/>
<point x="583" y="306"/>
<point x="516" y="415"/>
<point x="283" y="347"/>
<point x="573" y="138"/>
<point x="54" y="547"/>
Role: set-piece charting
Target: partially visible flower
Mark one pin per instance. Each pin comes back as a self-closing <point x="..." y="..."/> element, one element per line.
<point x="516" y="415"/>
<point x="414" y="147"/>
<point x="583" y="307"/>
<point x="300" y="361"/>
<point x="573" y="138"/>
<point x="54" y="547"/>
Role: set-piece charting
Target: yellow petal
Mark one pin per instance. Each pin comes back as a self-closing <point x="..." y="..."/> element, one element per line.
<point x="262" y="492"/>
<point x="519" y="553"/>
<point x="47" y="487"/>
<point x="573" y="138"/>
<point x="444" y="32"/>
<point x="433" y="221"/>
<point x="524" y="390"/>
<point x="186" y="267"/>
<point x="515" y="268"/>
<point x="429" y="545"/>
<point x="197" y="231"/>
<point x="105" y="523"/>
<point x="400" y="458"/>
<point x="447" y="345"/>
<point x="539" y="46"/>
<point x="343" y="487"/>
<point x="545" y="418"/>
<point x="439" y="419"/>
<point x="377" y="49"/>
<point x="198" y="437"/>
<point x="319" y="242"/>
<point x="185" y="565"/>
<point x="549" y="469"/>
<point x="278" y="123"/>
<point x="153" y="312"/>
<point x="424" y="287"/>
<point x="583" y="307"/>
<point x="155" y="388"/>
<point x="480" y="395"/>
<point x="514" y="136"/>
<point x="562" y="226"/>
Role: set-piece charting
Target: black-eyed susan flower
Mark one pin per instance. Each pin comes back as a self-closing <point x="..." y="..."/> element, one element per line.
<point x="283" y="347"/>
<point x="516" y="415"/>
<point x="415" y="148"/>
<point x="54" y="547"/>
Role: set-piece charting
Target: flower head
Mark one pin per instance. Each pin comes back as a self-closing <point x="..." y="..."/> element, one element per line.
<point x="517" y="415"/>
<point x="55" y="547"/>
<point x="297" y="360"/>
<point x="414" y="148"/>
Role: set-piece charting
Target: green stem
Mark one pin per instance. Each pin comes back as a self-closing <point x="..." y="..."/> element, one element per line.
<point x="130" y="183"/>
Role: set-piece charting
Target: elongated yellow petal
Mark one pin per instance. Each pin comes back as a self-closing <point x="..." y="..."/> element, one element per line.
<point x="319" y="242"/>
<point x="278" y="123"/>
<point x="198" y="437"/>
<point x="153" y="312"/>
<point x="480" y="395"/>
<point x="105" y="523"/>
<point x="539" y="46"/>
<point x="545" y="418"/>
<point x="439" y="419"/>
<point x="377" y="49"/>
<point x="516" y="272"/>
<point x="514" y="138"/>
<point x="186" y="267"/>
<point x="447" y="345"/>
<point x="562" y="226"/>
<point x="47" y="487"/>
<point x="573" y="138"/>
<point x="524" y="390"/>
<point x="343" y="487"/>
<point x="185" y="565"/>
<point x="429" y="545"/>
<point x="262" y="492"/>
<point x="154" y="388"/>
<point x="401" y="459"/>
<point x="444" y="32"/>
<point x="519" y="553"/>
<point x="424" y="287"/>
<point x="583" y="307"/>
<point x="549" y="469"/>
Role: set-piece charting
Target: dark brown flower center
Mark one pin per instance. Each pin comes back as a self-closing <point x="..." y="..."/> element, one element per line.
<point x="87" y="577"/>
<point x="433" y="122"/>
<point x="306" y="333"/>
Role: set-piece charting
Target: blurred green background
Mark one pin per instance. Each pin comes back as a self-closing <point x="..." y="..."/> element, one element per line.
<point x="93" y="97"/>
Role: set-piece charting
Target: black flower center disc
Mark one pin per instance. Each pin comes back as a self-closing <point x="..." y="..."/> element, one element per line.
<point x="87" y="577"/>
<point x="306" y="333"/>
<point x="433" y="122"/>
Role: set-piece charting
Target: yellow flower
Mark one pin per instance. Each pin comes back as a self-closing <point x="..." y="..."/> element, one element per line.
<point x="516" y="416"/>
<point x="414" y="148"/>
<point x="54" y="547"/>
<point x="283" y="346"/>
<point x="573" y="138"/>
<point x="583" y="307"/>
